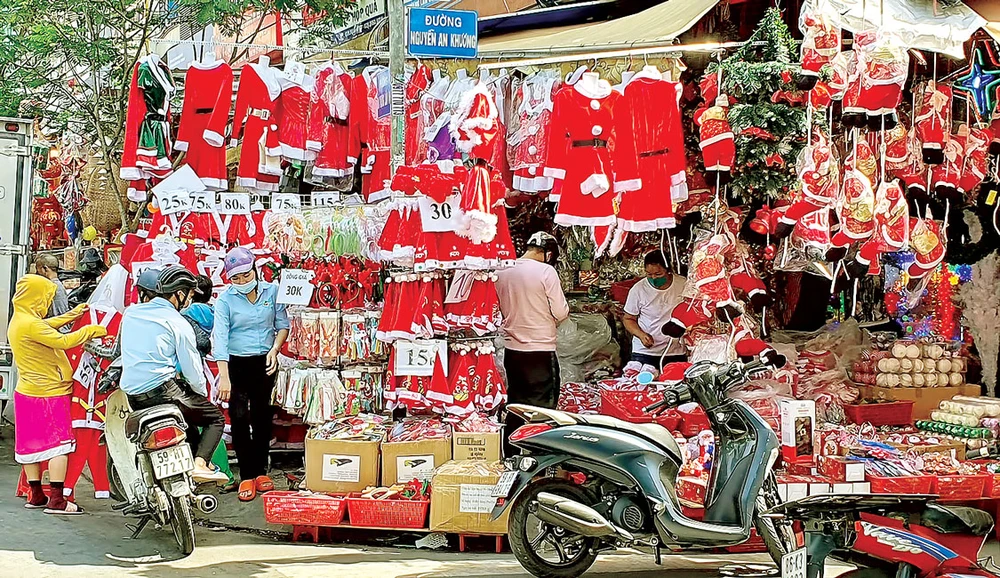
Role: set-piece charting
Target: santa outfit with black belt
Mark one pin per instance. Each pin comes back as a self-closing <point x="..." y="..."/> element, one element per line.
<point x="256" y="101"/>
<point x="208" y="95"/>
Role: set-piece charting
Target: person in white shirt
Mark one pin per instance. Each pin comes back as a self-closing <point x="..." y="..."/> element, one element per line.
<point x="648" y="308"/>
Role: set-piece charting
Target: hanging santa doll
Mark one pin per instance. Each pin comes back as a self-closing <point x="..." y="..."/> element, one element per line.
<point x="891" y="226"/>
<point x="717" y="143"/>
<point x="932" y="119"/>
<point x="928" y="244"/>
<point x="820" y="44"/>
<point x="819" y="173"/>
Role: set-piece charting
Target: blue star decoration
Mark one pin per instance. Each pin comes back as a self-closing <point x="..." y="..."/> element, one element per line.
<point x="980" y="80"/>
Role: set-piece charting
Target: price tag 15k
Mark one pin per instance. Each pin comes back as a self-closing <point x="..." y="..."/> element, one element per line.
<point x="233" y="204"/>
<point x="418" y="357"/>
<point x="439" y="217"/>
<point x="175" y="201"/>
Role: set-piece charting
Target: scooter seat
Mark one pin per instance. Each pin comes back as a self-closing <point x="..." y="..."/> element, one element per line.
<point x="956" y="520"/>
<point x="655" y="433"/>
<point x="135" y="419"/>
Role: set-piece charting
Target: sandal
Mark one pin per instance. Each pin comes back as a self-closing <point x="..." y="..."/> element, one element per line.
<point x="30" y="506"/>
<point x="71" y="509"/>
<point x="248" y="491"/>
<point x="264" y="484"/>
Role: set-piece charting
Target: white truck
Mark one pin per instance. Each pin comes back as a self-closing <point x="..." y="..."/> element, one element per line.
<point x="16" y="179"/>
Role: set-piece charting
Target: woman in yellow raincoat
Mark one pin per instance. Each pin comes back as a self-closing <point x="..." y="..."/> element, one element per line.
<point x="42" y="422"/>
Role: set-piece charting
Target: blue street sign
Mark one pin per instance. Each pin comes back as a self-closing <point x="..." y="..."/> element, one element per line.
<point x="443" y="33"/>
<point x="383" y="90"/>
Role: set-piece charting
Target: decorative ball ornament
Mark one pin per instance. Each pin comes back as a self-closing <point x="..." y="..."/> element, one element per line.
<point x="979" y="82"/>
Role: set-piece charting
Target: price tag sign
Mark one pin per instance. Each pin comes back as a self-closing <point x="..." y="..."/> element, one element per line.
<point x="418" y="357"/>
<point x="285" y="203"/>
<point x="295" y="287"/>
<point x="86" y="371"/>
<point x="325" y="198"/>
<point x="203" y="202"/>
<point x="234" y="204"/>
<point x="173" y="201"/>
<point x="439" y="217"/>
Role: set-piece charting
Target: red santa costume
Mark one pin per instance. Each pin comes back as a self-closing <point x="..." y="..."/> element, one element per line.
<point x="208" y="94"/>
<point x="146" y="149"/>
<point x="329" y="122"/>
<point x="932" y="119"/>
<point x="291" y="116"/>
<point x="584" y="155"/>
<point x="415" y="146"/>
<point x="649" y="112"/>
<point x="254" y="119"/>
<point x="529" y="143"/>
<point x="475" y="127"/>
<point x="370" y="143"/>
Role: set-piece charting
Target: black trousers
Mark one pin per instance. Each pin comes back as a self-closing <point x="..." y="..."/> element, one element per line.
<point x="250" y="413"/>
<point x="532" y="379"/>
<point x="197" y="412"/>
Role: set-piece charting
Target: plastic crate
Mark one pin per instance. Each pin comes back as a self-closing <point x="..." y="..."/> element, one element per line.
<point x="961" y="487"/>
<point x="902" y="485"/>
<point x="878" y="414"/>
<point x="387" y="513"/>
<point x="628" y="405"/>
<point x="300" y="509"/>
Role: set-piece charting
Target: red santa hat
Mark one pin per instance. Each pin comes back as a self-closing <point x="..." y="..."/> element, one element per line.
<point x="686" y="315"/>
<point x="750" y="349"/>
<point x="673" y="373"/>
<point x="475" y="126"/>
<point x="753" y="288"/>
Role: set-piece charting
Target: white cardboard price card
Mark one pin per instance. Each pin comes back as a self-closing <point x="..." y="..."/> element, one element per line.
<point x="86" y="371"/>
<point x="234" y="204"/>
<point x="285" y="203"/>
<point x="439" y="217"/>
<point x="295" y="287"/>
<point x="325" y="198"/>
<point x="203" y="202"/>
<point x="173" y="201"/>
<point x="418" y="357"/>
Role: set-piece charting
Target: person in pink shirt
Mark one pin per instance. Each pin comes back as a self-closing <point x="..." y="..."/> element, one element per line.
<point x="533" y="305"/>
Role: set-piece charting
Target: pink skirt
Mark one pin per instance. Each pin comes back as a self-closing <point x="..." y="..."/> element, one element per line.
<point x="42" y="428"/>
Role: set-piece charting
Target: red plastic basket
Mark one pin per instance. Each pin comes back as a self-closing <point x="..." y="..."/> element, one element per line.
<point x="294" y="508"/>
<point x="902" y="485"/>
<point x="627" y="406"/>
<point x="387" y="513"/>
<point x="877" y="414"/>
<point x="961" y="487"/>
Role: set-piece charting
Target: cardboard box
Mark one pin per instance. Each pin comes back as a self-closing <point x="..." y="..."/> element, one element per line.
<point x="462" y="501"/>
<point x="341" y="466"/>
<point x="840" y="469"/>
<point x="862" y="487"/>
<point x="475" y="446"/>
<point x="798" y="431"/>
<point x="402" y="462"/>
<point x="925" y="399"/>
<point x="818" y="488"/>
<point x="840" y="488"/>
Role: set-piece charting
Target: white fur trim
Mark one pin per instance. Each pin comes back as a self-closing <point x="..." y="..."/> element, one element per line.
<point x="314" y="145"/>
<point x="352" y="160"/>
<point x="567" y="220"/>
<point x="130" y="173"/>
<point x="213" y="138"/>
<point x="329" y="172"/>
<point x="180" y="145"/>
<point x="135" y="195"/>
<point x="596" y="184"/>
<point x="102" y="494"/>
<point x="602" y="247"/>
<point x="38" y="457"/>
<point x="554" y="173"/>
<point x="215" y="184"/>
<point x="297" y="153"/>
<point x="629" y="185"/>
<point x="601" y="91"/>
<point x="633" y="226"/>
<point x="479" y="226"/>
<point x="714" y="139"/>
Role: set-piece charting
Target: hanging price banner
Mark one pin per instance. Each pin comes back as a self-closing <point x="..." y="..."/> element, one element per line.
<point x="285" y="203"/>
<point x="438" y="217"/>
<point x="325" y="198"/>
<point x="418" y="357"/>
<point x="203" y="202"/>
<point x="295" y="287"/>
<point x="233" y="204"/>
<point x="86" y="371"/>
<point x="174" y="201"/>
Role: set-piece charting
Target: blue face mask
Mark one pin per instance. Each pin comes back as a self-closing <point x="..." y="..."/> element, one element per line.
<point x="246" y="288"/>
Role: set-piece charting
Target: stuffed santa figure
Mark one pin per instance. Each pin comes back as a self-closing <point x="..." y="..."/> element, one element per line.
<point x="928" y="245"/>
<point x="975" y="164"/>
<point x="857" y="210"/>
<point x="892" y="221"/>
<point x="946" y="177"/>
<point x="883" y="64"/>
<point x="820" y="44"/>
<point x="932" y="119"/>
<point x="687" y="314"/>
<point x="716" y="141"/>
<point x="707" y="272"/>
<point x="819" y="173"/>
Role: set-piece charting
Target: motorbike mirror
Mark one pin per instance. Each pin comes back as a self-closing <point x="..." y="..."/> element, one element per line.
<point x="645" y="378"/>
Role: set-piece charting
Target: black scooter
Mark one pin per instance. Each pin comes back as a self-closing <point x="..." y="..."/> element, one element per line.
<point x="588" y="484"/>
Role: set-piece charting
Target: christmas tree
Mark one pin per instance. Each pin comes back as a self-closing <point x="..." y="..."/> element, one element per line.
<point x="766" y="113"/>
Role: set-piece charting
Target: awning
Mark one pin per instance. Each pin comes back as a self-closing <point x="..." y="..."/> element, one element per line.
<point x="990" y="10"/>
<point x="658" y="25"/>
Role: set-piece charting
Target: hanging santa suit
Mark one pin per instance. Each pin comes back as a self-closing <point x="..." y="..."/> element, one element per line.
<point x="292" y="112"/>
<point x="87" y="410"/>
<point x="146" y="152"/>
<point x="932" y="119"/>
<point x="329" y="122"/>
<point x="530" y="141"/>
<point x="415" y="146"/>
<point x="584" y="155"/>
<point x="649" y="112"/>
<point x="208" y="94"/>
<point x="254" y="119"/>
<point x="370" y="142"/>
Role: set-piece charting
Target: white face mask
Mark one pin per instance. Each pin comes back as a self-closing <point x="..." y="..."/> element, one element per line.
<point x="246" y="288"/>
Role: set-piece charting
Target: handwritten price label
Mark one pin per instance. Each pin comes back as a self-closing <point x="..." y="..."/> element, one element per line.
<point x="233" y="204"/>
<point x="175" y="201"/>
<point x="418" y="357"/>
<point x="295" y="287"/>
<point x="86" y="371"/>
<point x="203" y="202"/>
<point x="325" y="198"/>
<point x="285" y="203"/>
<point x="440" y="217"/>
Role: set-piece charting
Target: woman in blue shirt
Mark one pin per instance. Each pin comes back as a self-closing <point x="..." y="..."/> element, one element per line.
<point x="250" y="328"/>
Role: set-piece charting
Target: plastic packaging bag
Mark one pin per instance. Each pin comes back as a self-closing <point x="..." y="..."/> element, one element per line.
<point x="579" y="339"/>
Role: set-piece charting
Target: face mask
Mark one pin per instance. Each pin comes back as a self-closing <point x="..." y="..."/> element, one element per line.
<point x="246" y="288"/>
<point x="658" y="282"/>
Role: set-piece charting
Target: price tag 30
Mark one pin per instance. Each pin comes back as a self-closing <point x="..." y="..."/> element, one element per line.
<point x="175" y="201"/>
<point x="234" y="204"/>
<point x="295" y="286"/>
<point x="203" y="202"/>
<point x="325" y="198"/>
<point x="285" y="203"/>
<point x="439" y="217"/>
<point x="418" y="357"/>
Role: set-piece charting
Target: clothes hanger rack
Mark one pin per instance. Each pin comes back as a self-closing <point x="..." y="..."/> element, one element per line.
<point x="336" y="53"/>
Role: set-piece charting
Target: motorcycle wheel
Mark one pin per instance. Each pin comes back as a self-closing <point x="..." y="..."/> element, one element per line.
<point x="778" y="534"/>
<point x="528" y="535"/>
<point x="115" y="483"/>
<point x="182" y="523"/>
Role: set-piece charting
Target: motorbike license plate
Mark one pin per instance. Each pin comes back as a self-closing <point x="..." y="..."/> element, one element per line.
<point x="171" y="461"/>
<point x="793" y="565"/>
<point x="502" y="489"/>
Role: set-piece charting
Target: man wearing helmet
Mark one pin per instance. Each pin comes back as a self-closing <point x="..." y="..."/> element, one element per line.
<point x="155" y="341"/>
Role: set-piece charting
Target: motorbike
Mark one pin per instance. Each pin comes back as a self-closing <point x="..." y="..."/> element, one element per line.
<point x="891" y="536"/>
<point x="150" y="463"/>
<point x="583" y="485"/>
